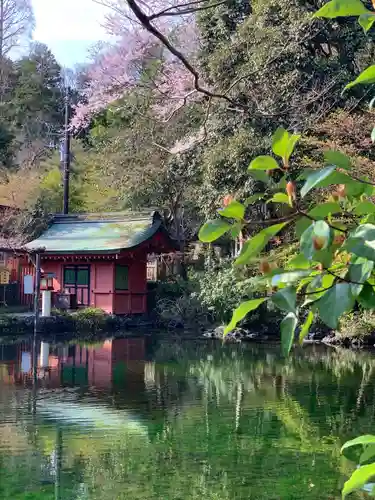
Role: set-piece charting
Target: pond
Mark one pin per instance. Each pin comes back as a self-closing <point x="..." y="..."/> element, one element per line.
<point x="175" y="420"/>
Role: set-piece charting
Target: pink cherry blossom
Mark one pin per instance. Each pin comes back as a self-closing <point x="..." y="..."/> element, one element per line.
<point x="117" y="69"/>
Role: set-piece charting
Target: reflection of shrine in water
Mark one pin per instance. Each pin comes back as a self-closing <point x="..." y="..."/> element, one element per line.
<point x="109" y="365"/>
<point x="113" y="374"/>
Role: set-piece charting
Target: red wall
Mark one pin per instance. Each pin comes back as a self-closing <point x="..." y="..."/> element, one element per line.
<point x="102" y="282"/>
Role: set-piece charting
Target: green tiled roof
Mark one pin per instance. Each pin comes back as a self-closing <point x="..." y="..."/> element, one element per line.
<point x="96" y="233"/>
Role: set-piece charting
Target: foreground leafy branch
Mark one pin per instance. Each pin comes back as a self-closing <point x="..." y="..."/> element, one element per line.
<point x="334" y="270"/>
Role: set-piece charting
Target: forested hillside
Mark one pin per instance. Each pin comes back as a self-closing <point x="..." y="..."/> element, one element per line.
<point x="151" y="138"/>
<point x="146" y="137"/>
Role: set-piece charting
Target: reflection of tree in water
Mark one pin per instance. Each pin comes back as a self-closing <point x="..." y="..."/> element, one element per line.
<point x="223" y="423"/>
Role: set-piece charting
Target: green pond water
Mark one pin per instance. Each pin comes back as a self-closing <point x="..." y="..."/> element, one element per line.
<point x="135" y="419"/>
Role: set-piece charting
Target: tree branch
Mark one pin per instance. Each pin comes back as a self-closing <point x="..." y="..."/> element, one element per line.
<point x="354" y="177"/>
<point x="145" y="21"/>
<point x="183" y="9"/>
<point x="304" y="214"/>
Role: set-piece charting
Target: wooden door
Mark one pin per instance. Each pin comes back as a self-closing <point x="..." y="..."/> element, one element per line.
<point x="77" y="281"/>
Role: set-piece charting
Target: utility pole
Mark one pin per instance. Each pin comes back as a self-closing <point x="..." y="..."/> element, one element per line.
<point x="36" y="314"/>
<point x="66" y="154"/>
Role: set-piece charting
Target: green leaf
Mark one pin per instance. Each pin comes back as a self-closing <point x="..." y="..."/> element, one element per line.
<point x="358" y="479"/>
<point x="301" y="225"/>
<point x="368" y="454"/>
<point x="306" y="242"/>
<point x="285" y="299"/>
<point x="235" y="210"/>
<point x="235" y="230"/>
<point x="318" y="230"/>
<point x="283" y="143"/>
<point x="253" y="198"/>
<point x="282" y="184"/>
<point x="213" y="229"/>
<point x="361" y="242"/>
<point x="241" y="311"/>
<point x="355" y="188"/>
<point x="279" y="198"/>
<point x="366" y="21"/>
<point x="365" y="78"/>
<point x="367" y="297"/>
<point x="361" y="440"/>
<point x="259" y="175"/>
<point x="365" y="208"/>
<point x="341" y="8"/>
<point x="289" y="277"/>
<point x="325" y="209"/>
<point x="359" y="272"/>
<point x="288" y="328"/>
<point x="325" y="257"/>
<point x="264" y="163"/>
<point x="256" y="244"/>
<point x="319" y="285"/>
<point x="306" y="327"/>
<point x="335" y="178"/>
<point x="299" y="262"/>
<point x="322" y="231"/>
<point x="338" y="159"/>
<point x="334" y="303"/>
<point x="315" y="178"/>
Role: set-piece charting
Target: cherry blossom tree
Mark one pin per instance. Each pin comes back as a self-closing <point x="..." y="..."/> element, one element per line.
<point x="160" y="32"/>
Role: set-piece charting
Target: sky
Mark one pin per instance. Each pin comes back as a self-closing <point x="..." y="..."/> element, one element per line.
<point x="68" y="27"/>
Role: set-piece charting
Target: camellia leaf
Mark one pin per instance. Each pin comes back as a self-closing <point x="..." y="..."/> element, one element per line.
<point x="235" y="210"/>
<point x="299" y="262"/>
<point x="366" y="21"/>
<point x="358" y="479"/>
<point x="323" y="233"/>
<point x="319" y="286"/>
<point x="235" y="230"/>
<point x="283" y="143"/>
<point x="367" y="297"/>
<point x="325" y="257"/>
<point x="288" y="328"/>
<point x="334" y="177"/>
<point x="256" y="244"/>
<point x="365" y="78"/>
<point x="315" y="178"/>
<point x="361" y="242"/>
<point x="334" y="303"/>
<point x="285" y="299"/>
<point x="365" y="208"/>
<point x="241" y="311"/>
<point x="325" y="209"/>
<point x="306" y="327"/>
<point x="301" y="225"/>
<point x="317" y="236"/>
<point x="306" y="242"/>
<point x="259" y="175"/>
<point x="361" y="440"/>
<point x="338" y="159"/>
<point x="253" y="198"/>
<point x="280" y="141"/>
<point x="213" y="229"/>
<point x="289" y="277"/>
<point x="341" y="8"/>
<point x="368" y="454"/>
<point x="264" y="163"/>
<point x="280" y="198"/>
<point x="359" y="272"/>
